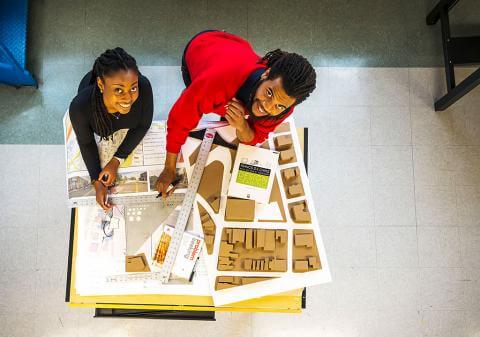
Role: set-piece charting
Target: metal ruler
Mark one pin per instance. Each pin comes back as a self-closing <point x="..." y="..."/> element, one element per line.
<point x="134" y="277"/>
<point x="188" y="200"/>
<point x="129" y="200"/>
<point x="187" y="205"/>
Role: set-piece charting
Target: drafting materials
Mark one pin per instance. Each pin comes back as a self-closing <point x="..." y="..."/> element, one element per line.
<point x="101" y="269"/>
<point x="136" y="176"/>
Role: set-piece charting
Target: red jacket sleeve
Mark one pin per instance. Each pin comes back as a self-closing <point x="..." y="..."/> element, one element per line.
<point x="187" y="111"/>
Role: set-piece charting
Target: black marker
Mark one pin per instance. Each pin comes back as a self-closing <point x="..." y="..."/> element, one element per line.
<point x="172" y="185"/>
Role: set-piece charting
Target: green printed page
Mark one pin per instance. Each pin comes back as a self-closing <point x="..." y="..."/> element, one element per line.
<point x="253" y="176"/>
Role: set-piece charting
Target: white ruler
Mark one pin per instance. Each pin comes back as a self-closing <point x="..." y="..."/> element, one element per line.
<point x="188" y="200"/>
<point x="175" y="198"/>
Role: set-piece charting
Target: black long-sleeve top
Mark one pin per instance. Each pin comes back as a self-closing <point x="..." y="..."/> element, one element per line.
<point x="137" y="121"/>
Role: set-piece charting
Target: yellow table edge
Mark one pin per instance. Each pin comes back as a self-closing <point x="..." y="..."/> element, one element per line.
<point x="287" y="302"/>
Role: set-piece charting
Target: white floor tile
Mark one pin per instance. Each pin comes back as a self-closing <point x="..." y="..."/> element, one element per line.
<point x="50" y="288"/>
<point x="321" y="96"/>
<point x="436" y="206"/>
<point x="392" y="165"/>
<point x="394" y="205"/>
<point x="472" y="321"/>
<point x="391" y="126"/>
<point x="396" y="247"/>
<point x="468" y="205"/>
<point x="355" y="246"/>
<point x="369" y="86"/>
<point x="52" y="248"/>
<point x="398" y="287"/>
<point x="434" y="165"/>
<point x="426" y="86"/>
<point x="430" y="127"/>
<point x="343" y="205"/>
<point x="341" y="126"/>
<point x="53" y="323"/>
<point x="470" y="241"/>
<point x="17" y="325"/>
<point x="52" y="165"/>
<point x="17" y="292"/>
<point x="356" y="289"/>
<point x="439" y="246"/>
<point x="442" y="288"/>
<point x="399" y="322"/>
<point x="446" y="323"/>
<point x="340" y="164"/>
<point x="18" y="248"/>
<point x="472" y="289"/>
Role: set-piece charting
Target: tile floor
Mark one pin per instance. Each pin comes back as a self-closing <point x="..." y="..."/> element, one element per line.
<point x="397" y="191"/>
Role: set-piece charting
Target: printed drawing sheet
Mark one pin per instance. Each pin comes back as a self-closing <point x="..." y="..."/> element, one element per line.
<point x="102" y="251"/>
<point x="251" y="249"/>
<point x="136" y="176"/>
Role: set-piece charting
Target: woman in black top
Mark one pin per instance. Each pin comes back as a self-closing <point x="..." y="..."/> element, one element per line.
<point x="113" y="96"/>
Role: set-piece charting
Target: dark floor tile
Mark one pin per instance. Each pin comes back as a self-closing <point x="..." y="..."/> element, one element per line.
<point x="22" y="126"/>
<point x="155" y="33"/>
<point x="57" y="32"/>
<point x="230" y="16"/>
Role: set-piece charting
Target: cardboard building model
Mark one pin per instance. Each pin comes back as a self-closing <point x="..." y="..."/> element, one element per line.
<point x="252" y="249"/>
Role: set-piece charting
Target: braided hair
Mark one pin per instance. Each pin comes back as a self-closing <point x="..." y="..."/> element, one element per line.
<point x="298" y="75"/>
<point x="111" y="61"/>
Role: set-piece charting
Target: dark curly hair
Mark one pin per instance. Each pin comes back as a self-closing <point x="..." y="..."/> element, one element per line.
<point x="111" y="61"/>
<point x="298" y="75"/>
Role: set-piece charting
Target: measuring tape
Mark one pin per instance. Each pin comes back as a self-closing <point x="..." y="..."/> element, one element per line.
<point x="188" y="200"/>
<point x="175" y="198"/>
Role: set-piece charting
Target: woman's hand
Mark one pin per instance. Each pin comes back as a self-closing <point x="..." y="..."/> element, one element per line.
<point x="101" y="195"/>
<point x="109" y="174"/>
<point x="235" y="116"/>
<point x="167" y="176"/>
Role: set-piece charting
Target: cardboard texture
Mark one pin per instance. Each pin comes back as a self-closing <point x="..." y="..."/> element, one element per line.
<point x="283" y="142"/>
<point x="266" y="246"/>
<point x="284" y="127"/>
<point x="305" y="253"/>
<point x="208" y="227"/>
<point x="211" y="184"/>
<point x="225" y="282"/>
<point x="286" y="156"/>
<point x="292" y="182"/>
<point x="299" y="212"/>
<point x="240" y="210"/>
<point x="136" y="263"/>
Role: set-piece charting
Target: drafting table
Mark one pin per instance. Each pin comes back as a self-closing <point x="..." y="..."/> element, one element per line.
<point x="178" y="306"/>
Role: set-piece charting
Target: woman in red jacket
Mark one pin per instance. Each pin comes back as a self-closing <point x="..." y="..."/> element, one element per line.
<point x="224" y="75"/>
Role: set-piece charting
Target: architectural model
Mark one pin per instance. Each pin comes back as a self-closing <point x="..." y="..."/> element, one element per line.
<point x="255" y="249"/>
